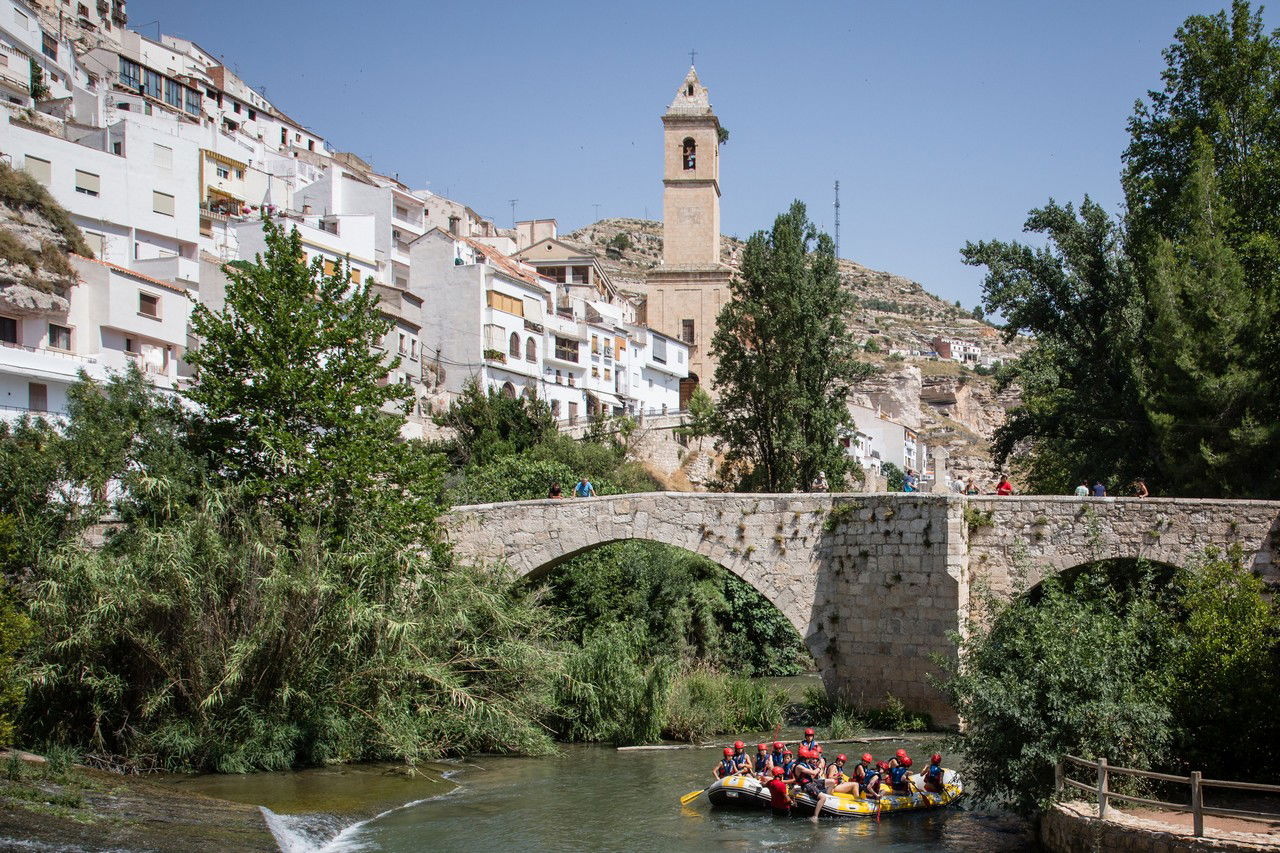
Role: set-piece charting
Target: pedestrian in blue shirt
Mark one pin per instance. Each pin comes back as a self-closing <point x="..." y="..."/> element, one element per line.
<point x="584" y="489"/>
<point x="1099" y="490"/>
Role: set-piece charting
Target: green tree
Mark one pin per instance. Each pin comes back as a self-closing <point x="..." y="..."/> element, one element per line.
<point x="785" y="360"/>
<point x="39" y="88"/>
<point x="292" y="383"/>
<point x="894" y="477"/>
<point x="489" y="425"/>
<point x="1081" y="412"/>
<point x="702" y="414"/>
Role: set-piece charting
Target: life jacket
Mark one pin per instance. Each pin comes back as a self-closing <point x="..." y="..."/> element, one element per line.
<point x="934" y="774"/>
<point x="860" y="771"/>
<point x="779" y="760"/>
<point x="839" y="774"/>
<point x="727" y="767"/>
<point x="806" y="766"/>
<point x="898" y="775"/>
<point x="762" y="761"/>
<point x="789" y="769"/>
<point x="870" y="781"/>
<point x="808" y="745"/>
<point x="741" y="762"/>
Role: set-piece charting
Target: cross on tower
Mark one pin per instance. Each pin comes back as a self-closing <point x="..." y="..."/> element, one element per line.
<point x="693" y="54"/>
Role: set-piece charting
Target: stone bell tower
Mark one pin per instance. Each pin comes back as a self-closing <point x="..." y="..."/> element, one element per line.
<point x="686" y="292"/>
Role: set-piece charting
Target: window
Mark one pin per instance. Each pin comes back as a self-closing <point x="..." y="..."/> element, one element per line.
<point x="49" y="46"/>
<point x="173" y="93"/>
<point x="514" y="345"/>
<point x="39" y="169"/>
<point x="87" y="183"/>
<point x="223" y="171"/>
<point x="567" y="350"/>
<point x="608" y="374"/>
<point x="97" y="243"/>
<point x="8" y="330"/>
<point x="21" y="20"/>
<point x="530" y="350"/>
<point x="161" y="203"/>
<point x="130" y="74"/>
<point x="555" y="408"/>
<point x="37" y="397"/>
<point x="82" y="10"/>
<point x="659" y="350"/>
<point x="149" y="305"/>
<point x="686" y="331"/>
<point x="253" y="115"/>
<point x="59" y="337"/>
<point x="595" y="345"/>
<point x="509" y="304"/>
<point x="161" y="155"/>
<point x="239" y="174"/>
<point x="413" y="348"/>
<point x="193" y="102"/>
<point x="151" y="83"/>
<point x="508" y="390"/>
<point x="680" y="356"/>
<point x="689" y="153"/>
<point x="595" y="371"/>
<point x="235" y="106"/>
<point x="559" y="378"/>
<point x="404" y="344"/>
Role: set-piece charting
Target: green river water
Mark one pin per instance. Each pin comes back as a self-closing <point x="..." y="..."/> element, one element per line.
<point x="587" y="798"/>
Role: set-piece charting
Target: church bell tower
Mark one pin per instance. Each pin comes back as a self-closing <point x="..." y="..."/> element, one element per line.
<point x="686" y="292"/>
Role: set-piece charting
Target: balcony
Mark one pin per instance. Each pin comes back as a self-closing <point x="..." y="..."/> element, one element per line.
<point x="48" y="364"/>
<point x="173" y="268"/>
<point x="13" y="414"/>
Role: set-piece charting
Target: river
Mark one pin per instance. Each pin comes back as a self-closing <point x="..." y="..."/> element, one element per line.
<point x="587" y="798"/>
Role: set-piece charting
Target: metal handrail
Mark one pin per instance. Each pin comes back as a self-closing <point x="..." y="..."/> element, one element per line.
<point x="1198" y="809"/>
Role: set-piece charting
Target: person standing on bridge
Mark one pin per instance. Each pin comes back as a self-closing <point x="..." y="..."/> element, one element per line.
<point x="1140" y="488"/>
<point x="1004" y="488"/>
<point x="584" y="489"/>
<point x="1099" y="490"/>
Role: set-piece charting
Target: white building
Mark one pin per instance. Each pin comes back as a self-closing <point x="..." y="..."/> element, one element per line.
<point x="876" y="440"/>
<point x="335" y="240"/>
<point x="129" y="188"/>
<point x="115" y="316"/>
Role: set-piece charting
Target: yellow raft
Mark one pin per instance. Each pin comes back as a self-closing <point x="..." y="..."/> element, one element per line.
<point x="746" y="792"/>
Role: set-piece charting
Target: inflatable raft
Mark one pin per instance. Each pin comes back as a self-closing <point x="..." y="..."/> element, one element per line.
<point x="746" y="792"/>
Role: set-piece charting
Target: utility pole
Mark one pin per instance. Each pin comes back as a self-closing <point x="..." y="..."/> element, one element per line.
<point x="837" y="205"/>
<point x="596" y="208"/>
<point x="512" y="202"/>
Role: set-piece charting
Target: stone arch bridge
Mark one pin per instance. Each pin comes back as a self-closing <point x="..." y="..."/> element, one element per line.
<point x="874" y="583"/>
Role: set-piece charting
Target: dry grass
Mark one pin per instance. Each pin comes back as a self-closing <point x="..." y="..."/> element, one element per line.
<point x="23" y="192"/>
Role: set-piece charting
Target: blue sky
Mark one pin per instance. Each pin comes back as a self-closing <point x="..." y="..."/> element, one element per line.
<point x="943" y="121"/>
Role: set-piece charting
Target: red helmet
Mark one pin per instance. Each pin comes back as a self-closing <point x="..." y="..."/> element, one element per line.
<point x="882" y="765"/>
<point x="761" y="747"/>
<point x="808" y="732"/>
<point x="728" y="750"/>
<point x="787" y="752"/>
<point x="902" y="753"/>
<point x="737" y="744"/>
<point x="866" y="758"/>
<point x="906" y="762"/>
<point x="777" y="771"/>
<point x="842" y="758"/>
<point x="936" y="758"/>
<point x="777" y="744"/>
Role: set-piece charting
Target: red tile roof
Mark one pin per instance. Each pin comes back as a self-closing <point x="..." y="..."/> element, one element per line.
<point x="508" y="265"/>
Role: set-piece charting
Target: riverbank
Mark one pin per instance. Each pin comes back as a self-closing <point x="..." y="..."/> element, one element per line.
<point x="47" y="807"/>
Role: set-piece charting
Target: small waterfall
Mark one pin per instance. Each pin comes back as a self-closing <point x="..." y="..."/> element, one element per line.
<point x="304" y="833"/>
<point x="325" y="833"/>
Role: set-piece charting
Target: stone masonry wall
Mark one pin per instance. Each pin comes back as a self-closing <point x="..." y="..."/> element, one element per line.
<point x="873" y="583"/>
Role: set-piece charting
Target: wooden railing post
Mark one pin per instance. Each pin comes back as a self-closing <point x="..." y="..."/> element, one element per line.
<point x="1197" y="805"/>
<point x="1102" y="788"/>
<point x="1059" y="776"/>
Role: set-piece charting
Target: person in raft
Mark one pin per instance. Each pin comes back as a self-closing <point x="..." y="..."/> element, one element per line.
<point x="727" y="766"/>
<point x="740" y="757"/>
<point x="808" y="777"/>
<point x="807" y="745"/>
<point x="760" y="764"/>
<point x="933" y="775"/>
<point x="819" y="763"/>
<point x="860" y="771"/>
<point x="899" y="777"/>
<point x="871" y="782"/>
<point x="779" y="797"/>
<point x="776" y="758"/>
<point x="789" y="765"/>
<point x="837" y="782"/>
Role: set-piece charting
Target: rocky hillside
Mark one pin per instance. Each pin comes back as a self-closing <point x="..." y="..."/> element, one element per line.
<point x="35" y="236"/>
<point x="951" y="405"/>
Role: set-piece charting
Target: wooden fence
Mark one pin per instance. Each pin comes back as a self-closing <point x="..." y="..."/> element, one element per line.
<point x="1102" y="790"/>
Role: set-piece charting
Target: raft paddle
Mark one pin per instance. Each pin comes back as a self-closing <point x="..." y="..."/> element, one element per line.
<point x="690" y="797"/>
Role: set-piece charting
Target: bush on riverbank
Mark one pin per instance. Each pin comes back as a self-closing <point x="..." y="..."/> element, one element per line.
<point x="1158" y="674"/>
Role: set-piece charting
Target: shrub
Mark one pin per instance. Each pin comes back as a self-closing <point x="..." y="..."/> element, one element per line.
<point x="15" y="631"/>
<point x="20" y="190"/>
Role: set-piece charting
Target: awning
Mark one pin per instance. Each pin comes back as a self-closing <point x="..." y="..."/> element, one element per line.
<point x="214" y="191"/>
<point x="606" y="398"/>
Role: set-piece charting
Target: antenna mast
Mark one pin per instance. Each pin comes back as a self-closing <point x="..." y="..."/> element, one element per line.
<point x="837" y="220"/>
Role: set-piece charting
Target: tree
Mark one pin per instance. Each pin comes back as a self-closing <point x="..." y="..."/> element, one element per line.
<point x="39" y="88"/>
<point x="786" y="360"/>
<point x="1081" y="412"/>
<point x="293" y="387"/>
<point x="489" y="425"/>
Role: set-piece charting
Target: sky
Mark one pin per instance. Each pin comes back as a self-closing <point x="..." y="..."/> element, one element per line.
<point x="943" y="121"/>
